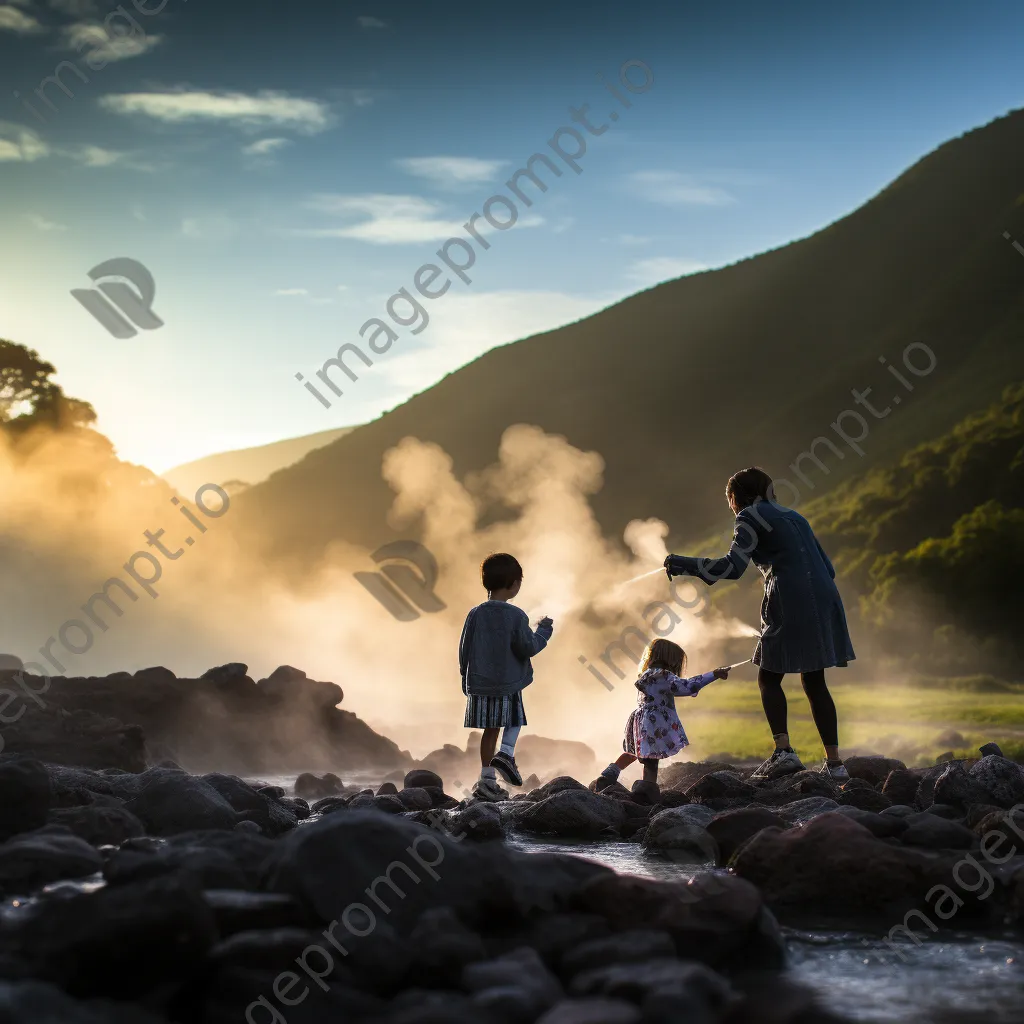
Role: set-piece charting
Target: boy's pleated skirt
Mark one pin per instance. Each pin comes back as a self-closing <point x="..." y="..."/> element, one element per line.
<point x="494" y="712"/>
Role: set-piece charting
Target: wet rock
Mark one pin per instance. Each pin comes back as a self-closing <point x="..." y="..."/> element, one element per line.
<point x="901" y="786"/>
<point x="1000" y="778"/>
<point x="680" y="775"/>
<point x="478" y="820"/>
<point x="25" y="795"/>
<point x="33" y="1002"/>
<point x="882" y="826"/>
<point x="866" y="799"/>
<point x="297" y="806"/>
<point x="387" y="788"/>
<point x="797" y="786"/>
<point x="935" y="833"/>
<point x="719" y="785"/>
<point x="98" y="823"/>
<point x="313" y="787"/>
<point x="834" y="868"/>
<point x="956" y="787"/>
<point x="389" y="804"/>
<point x="520" y="976"/>
<point x="609" y="787"/>
<point x="235" y="910"/>
<point x="731" y="829"/>
<point x="273" y="817"/>
<point x="329" y="804"/>
<point x="646" y="793"/>
<point x="635" y="946"/>
<point x="990" y="748"/>
<point x="592" y="1011"/>
<point x="799" y="812"/>
<point x="899" y="811"/>
<point x="716" y="918"/>
<point x="34" y="859"/>
<point x="415" y="798"/>
<point x="659" y="986"/>
<point x="872" y="768"/>
<point x="570" y="813"/>
<point x="123" y="941"/>
<point x="170" y="802"/>
<point x="444" y="947"/>
<point x="422" y="777"/>
<point x="678" y="832"/>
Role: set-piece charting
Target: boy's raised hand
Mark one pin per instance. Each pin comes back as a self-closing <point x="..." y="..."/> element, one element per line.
<point x="721" y="673"/>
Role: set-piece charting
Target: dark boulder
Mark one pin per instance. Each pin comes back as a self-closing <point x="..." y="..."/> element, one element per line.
<point x="679" y="834"/>
<point x="866" y="798"/>
<point x="98" y="823"/>
<point x="882" y="826"/>
<point x="169" y="802"/>
<point x="990" y="748"/>
<point x="520" y="978"/>
<point x="34" y="859"/>
<point x="572" y="813"/>
<point x="935" y="833"/>
<point x="1000" y="778"/>
<point x="901" y="786"/>
<point x="731" y="829"/>
<point x="422" y="777"/>
<point x="592" y="1011"/>
<point x="683" y="774"/>
<point x="121" y="942"/>
<point x="272" y="816"/>
<point x="716" y="785"/>
<point x="834" y="868"/>
<point x="313" y="787"/>
<point x="718" y="919"/>
<point x="629" y="947"/>
<point x="872" y="768"/>
<point x="25" y="795"/>
<point x="799" y="812"/>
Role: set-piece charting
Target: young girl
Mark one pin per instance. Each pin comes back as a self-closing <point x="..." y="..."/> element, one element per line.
<point x="654" y="730"/>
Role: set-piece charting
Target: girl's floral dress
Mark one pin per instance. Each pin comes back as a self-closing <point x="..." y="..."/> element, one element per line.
<point x="654" y="729"/>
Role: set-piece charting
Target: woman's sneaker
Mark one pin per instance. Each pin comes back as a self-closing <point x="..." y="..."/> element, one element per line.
<point x="507" y="768"/>
<point x="782" y="762"/>
<point x="835" y="770"/>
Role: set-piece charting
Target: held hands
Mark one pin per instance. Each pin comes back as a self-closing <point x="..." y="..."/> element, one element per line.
<point x="721" y="673"/>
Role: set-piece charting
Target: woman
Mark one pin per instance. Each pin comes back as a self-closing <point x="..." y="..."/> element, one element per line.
<point x="803" y="625"/>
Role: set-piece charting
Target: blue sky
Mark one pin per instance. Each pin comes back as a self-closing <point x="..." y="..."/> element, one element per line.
<point x="282" y="170"/>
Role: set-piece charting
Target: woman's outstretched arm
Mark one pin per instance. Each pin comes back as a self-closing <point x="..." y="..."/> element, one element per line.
<point x="730" y="566"/>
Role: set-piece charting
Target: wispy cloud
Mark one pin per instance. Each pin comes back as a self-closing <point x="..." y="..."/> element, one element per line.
<point x="13" y="20"/>
<point x="662" y="268"/>
<point x="392" y="219"/>
<point x="674" y="189"/>
<point x="452" y="170"/>
<point x="215" y="227"/>
<point x="42" y="224"/>
<point x="265" y="147"/>
<point x="366" y="21"/>
<point x="107" y="46"/>
<point x="20" y="144"/>
<point x="240" y="110"/>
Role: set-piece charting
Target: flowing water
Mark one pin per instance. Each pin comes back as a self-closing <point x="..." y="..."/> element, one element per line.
<point x="954" y="978"/>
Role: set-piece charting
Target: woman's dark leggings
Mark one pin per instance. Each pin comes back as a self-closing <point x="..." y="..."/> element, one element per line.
<point x="823" y="708"/>
<point x="650" y="768"/>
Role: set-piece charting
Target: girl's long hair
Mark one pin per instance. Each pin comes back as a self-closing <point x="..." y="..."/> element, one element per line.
<point x="663" y="654"/>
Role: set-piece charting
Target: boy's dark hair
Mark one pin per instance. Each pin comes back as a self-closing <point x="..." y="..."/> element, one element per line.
<point x="749" y="485"/>
<point x="500" y="571"/>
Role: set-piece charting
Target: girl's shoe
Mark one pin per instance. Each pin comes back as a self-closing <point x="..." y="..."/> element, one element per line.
<point x="507" y="768"/>
<point x="782" y="762"/>
<point x="835" y="770"/>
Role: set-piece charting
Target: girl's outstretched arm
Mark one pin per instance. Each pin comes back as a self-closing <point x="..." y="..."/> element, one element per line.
<point x="690" y="687"/>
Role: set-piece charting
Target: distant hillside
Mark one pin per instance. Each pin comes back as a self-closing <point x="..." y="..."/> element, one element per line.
<point x="936" y="541"/>
<point x="681" y="384"/>
<point x="248" y="465"/>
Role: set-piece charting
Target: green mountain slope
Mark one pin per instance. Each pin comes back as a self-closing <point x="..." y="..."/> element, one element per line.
<point x="680" y="385"/>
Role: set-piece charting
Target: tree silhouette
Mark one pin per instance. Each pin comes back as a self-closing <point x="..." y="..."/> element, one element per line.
<point x="29" y="398"/>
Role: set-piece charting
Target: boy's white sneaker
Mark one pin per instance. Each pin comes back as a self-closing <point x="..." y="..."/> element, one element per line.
<point x="782" y="762"/>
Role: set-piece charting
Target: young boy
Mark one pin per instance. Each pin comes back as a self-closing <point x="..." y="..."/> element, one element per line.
<point x="494" y="660"/>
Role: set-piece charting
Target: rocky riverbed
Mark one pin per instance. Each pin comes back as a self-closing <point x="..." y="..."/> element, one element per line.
<point x="162" y="896"/>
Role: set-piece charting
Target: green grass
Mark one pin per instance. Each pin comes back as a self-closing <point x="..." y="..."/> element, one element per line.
<point x="902" y="720"/>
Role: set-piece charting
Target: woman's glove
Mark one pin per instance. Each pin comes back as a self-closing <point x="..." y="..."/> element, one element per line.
<point x="675" y="565"/>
